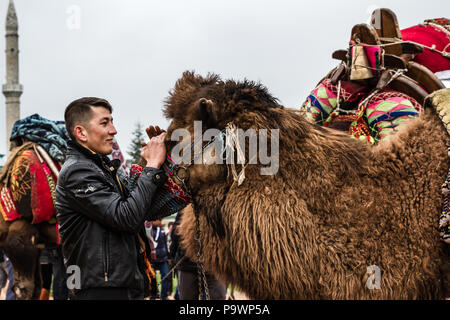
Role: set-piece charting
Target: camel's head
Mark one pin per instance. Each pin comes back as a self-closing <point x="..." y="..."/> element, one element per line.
<point x="206" y="105"/>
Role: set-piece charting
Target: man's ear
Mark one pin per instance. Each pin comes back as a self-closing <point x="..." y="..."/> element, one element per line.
<point x="80" y="133"/>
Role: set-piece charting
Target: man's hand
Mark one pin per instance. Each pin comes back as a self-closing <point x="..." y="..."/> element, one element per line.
<point x="154" y="152"/>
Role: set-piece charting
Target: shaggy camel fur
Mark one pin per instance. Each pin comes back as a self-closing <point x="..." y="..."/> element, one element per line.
<point x="335" y="207"/>
<point x="24" y="256"/>
<point x="19" y="239"/>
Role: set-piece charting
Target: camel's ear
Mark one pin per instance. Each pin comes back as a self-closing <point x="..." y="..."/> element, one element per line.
<point x="184" y="93"/>
<point x="208" y="110"/>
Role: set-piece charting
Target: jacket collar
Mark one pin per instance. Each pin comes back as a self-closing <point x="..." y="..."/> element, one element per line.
<point x="74" y="147"/>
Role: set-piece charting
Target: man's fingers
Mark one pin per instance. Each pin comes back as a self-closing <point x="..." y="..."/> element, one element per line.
<point x="162" y="136"/>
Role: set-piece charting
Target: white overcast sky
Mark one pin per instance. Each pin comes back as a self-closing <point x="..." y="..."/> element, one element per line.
<point x="131" y="52"/>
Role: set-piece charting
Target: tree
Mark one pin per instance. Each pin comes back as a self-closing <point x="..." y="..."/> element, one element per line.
<point x="134" y="149"/>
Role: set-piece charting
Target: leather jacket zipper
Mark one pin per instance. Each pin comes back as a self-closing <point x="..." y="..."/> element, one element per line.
<point x="106" y="255"/>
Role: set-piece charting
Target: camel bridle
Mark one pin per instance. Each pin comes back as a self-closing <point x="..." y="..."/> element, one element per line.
<point x="181" y="173"/>
<point x="176" y="170"/>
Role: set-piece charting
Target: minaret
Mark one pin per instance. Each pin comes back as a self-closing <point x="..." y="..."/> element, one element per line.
<point x="12" y="89"/>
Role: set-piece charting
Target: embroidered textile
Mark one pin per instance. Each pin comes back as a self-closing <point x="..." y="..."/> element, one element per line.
<point x="51" y="135"/>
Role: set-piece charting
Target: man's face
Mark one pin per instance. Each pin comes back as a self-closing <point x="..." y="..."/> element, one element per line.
<point x="100" y="131"/>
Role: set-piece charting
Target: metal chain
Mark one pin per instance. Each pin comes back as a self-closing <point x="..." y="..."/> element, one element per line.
<point x="201" y="274"/>
<point x="200" y="266"/>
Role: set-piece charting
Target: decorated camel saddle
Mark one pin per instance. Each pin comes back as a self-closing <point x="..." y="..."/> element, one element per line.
<point x="28" y="179"/>
<point x="382" y="81"/>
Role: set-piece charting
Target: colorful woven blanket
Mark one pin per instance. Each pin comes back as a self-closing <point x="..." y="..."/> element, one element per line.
<point x="28" y="188"/>
<point x="169" y="199"/>
<point x="322" y="101"/>
<point x="434" y="34"/>
<point x="51" y="135"/>
<point x="372" y="120"/>
<point x="389" y="109"/>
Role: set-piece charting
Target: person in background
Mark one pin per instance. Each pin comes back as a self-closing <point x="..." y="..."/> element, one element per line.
<point x="170" y="259"/>
<point x="6" y="274"/>
<point x="3" y="273"/>
<point x="52" y="264"/>
<point x="159" y="238"/>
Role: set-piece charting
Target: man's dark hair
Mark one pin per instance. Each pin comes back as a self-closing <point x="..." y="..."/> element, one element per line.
<point x="79" y="112"/>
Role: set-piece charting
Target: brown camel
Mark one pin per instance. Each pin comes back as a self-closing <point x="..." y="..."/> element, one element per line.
<point x="21" y="241"/>
<point x="336" y="211"/>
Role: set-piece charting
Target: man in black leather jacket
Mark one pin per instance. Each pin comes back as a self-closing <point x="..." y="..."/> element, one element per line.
<point x="99" y="218"/>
